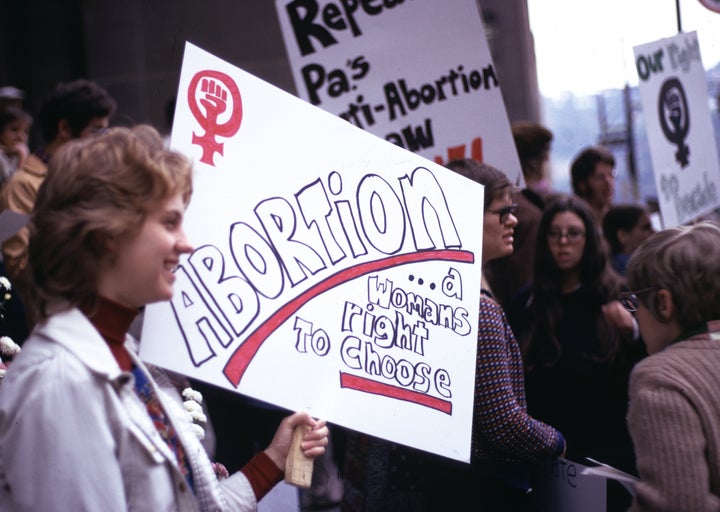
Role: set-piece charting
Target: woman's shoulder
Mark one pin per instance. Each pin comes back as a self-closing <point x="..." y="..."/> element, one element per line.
<point x="490" y="301"/>
<point x="43" y="375"/>
<point x="689" y="358"/>
<point x="489" y="306"/>
<point x="45" y="360"/>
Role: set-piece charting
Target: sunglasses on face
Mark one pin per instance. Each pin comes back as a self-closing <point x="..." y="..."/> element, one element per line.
<point x="505" y="212"/>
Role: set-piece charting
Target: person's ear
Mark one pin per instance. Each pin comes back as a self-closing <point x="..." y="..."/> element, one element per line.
<point x="623" y="237"/>
<point x="64" y="133"/>
<point x="665" y="305"/>
<point x="110" y="243"/>
<point x="582" y="189"/>
<point x="103" y="244"/>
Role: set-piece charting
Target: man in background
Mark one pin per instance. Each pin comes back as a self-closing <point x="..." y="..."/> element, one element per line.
<point x="593" y="179"/>
<point x="71" y="110"/>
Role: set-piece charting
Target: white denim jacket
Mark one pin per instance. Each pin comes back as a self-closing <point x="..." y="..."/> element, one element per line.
<point x="74" y="435"/>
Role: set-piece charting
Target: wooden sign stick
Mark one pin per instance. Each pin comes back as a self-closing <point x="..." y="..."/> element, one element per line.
<point x="298" y="467"/>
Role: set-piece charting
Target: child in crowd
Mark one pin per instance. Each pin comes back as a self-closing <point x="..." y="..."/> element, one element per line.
<point x="14" y="129"/>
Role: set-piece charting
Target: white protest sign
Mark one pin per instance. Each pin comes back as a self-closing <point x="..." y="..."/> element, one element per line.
<point x="333" y="271"/>
<point x="418" y="74"/>
<point x="674" y="98"/>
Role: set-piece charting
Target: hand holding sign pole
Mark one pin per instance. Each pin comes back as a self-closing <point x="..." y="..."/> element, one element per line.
<point x="298" y="467"/>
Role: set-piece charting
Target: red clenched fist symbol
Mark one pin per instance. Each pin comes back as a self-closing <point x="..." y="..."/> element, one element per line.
<point x="213" y="98"/>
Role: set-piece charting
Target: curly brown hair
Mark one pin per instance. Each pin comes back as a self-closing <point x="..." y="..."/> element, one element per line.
<point x="97" y="189"/>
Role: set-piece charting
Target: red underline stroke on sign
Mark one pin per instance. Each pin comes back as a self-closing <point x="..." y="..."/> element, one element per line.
<point x="379" y="388"/>
<point x="241" y="358"/>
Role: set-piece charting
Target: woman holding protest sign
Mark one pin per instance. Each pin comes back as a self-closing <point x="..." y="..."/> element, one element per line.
<point x="83" y="423"/>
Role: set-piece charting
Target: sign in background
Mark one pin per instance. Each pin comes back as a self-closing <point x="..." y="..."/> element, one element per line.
<point x="674" y="98"/>
<point x="418" y="74"/>
<point x="559" y="485"/>
<point x="333" y="271"/>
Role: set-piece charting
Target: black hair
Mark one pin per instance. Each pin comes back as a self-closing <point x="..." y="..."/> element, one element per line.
<point x="622" y="216"/>
<point x="78" y="103"/>
<point x="539" y="342"/>
<point x="583" y="165"/>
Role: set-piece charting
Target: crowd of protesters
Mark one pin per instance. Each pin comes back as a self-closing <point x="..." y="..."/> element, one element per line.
<point x="597" y="338"/>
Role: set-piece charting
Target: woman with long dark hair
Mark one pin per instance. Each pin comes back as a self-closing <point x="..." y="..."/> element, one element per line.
<point x="578" y="342"/>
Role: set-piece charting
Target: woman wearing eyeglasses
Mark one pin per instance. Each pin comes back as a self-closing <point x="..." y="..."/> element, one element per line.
<point x="506" y="439"/>
<point x="576" y="337"/>
<point x="674" y="412"/>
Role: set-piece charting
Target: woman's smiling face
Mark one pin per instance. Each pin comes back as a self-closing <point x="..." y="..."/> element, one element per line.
<point x="142" y="271"/>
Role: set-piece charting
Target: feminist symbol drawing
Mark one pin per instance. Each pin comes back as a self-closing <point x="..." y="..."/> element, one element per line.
<point x="675" y="117"/>
<point x="215" y="87"/>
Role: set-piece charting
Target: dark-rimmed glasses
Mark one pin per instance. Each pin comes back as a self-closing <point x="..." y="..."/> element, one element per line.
<point x="505" y="211"/>
<point x="572" y="235"/>
<point x="629" y="300"/>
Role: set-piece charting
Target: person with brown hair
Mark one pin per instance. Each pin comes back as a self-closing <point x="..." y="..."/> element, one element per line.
<point x="533" y="142"/>
<point x="507" y="440"/>
<point x="593" y="179"/>
<point x="625" y="227"/>
<point x="509" y="274"/>
<point x="84" y="425"/>
<point x="674" y="411"/>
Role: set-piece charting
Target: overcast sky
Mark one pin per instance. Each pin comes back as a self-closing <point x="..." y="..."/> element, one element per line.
<point x="585" y="46"/>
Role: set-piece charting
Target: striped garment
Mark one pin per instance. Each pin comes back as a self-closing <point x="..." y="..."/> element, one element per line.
<point x="166" y="430"/>
<point x="502" y="428"/>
